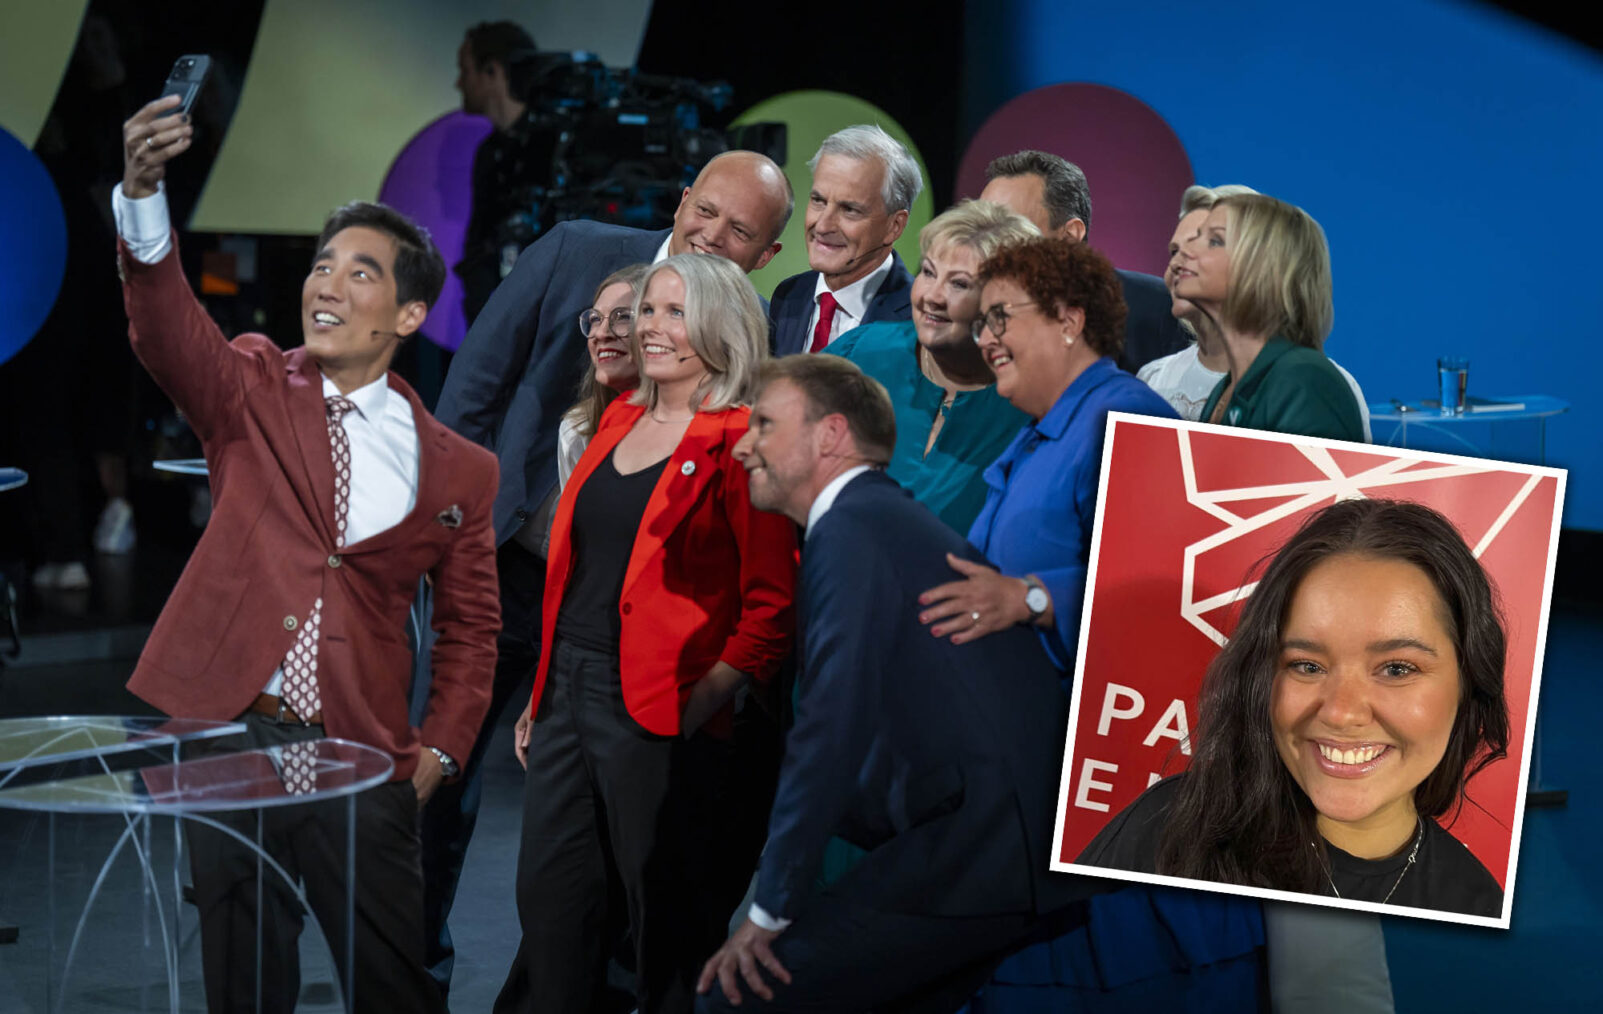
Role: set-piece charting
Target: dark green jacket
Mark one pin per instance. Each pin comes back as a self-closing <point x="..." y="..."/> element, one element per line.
<point x="1291" y="389"/>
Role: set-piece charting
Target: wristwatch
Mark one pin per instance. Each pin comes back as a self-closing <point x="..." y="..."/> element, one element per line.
<point x="1036" y="600"/>
<point x="447" y="765"/>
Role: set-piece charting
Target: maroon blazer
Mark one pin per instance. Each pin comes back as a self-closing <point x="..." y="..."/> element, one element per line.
<point x="710" y="577"/>
<point x="269" y="550"/>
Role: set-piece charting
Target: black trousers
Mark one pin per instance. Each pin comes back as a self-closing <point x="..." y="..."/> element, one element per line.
<point x="309" y="841"/>
<point x="843" y="956"/>
<point x="607" y="802"/>
<point x="453" y="811"/>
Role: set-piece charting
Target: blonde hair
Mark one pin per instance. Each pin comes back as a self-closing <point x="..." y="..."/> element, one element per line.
<point x="1200" y="198"/>
<point x="725" y="324"/>
<point x="1279" y="271"/>
<point x="979" y="225"/>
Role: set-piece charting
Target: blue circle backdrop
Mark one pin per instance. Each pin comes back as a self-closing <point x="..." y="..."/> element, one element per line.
<point x="33" y="236"/>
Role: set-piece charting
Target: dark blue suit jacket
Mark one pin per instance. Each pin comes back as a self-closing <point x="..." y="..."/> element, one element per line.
<point x="519" y="367"/>
<point x="941" y="760"/>
<point x="1150" y="330"/>
<point x="792" y="307"/>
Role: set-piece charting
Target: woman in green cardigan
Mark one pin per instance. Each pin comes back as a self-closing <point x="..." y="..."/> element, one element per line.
<point x="1260" y="270"/>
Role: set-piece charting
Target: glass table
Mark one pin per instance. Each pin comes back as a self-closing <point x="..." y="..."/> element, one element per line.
<point x="182" y="466"/>
<point x="1507" y="427"/>
<point x="141" y="772"/>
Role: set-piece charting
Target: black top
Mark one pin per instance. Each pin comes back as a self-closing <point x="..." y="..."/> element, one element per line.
<point x="605" y="517"/>
<point x="1446" y="876"/>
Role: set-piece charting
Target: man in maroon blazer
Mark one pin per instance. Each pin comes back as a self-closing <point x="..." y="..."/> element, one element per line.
<point x="333" y="492"/>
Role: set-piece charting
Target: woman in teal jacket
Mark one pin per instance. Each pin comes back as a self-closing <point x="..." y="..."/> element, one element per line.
<point x="1260" y="269"/>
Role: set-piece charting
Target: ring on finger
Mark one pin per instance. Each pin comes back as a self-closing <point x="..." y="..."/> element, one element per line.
<point x="150" y="142"/>
<point x="975" y="616"/>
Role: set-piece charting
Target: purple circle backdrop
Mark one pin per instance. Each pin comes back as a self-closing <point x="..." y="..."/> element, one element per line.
<point x="1136" y="166"/>
<point x="432" y="181"/>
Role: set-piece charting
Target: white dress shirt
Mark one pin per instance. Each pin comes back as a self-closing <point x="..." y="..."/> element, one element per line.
<point x="821" y="505"/>
<point x="852" y="301"/>
<point x="826" y="496"/>
<point x="381" y="432"/>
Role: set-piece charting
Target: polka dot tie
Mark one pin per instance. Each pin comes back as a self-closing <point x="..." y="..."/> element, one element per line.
<point x="297" y="768"/>
<point x="300" y="688"/>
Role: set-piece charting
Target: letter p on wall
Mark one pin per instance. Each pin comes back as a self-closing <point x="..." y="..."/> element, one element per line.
<point x="1111" y="709"/>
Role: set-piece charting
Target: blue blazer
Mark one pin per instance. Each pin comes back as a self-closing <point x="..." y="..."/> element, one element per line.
<point x="792" y="307"/>
<point x="519" y="367"/>
<point x="1150" y="330"/>
<point x="940" y="760"/>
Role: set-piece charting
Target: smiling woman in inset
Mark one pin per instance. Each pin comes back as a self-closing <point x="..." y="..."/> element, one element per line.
<point x="1361" y="690"/>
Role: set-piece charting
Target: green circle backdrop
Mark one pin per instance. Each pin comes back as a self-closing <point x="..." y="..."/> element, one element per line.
<point x="809" y="117"/>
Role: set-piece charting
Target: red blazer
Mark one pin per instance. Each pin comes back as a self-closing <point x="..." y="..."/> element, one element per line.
<point x="269" y="550"/>
<point x="710" y="577"/>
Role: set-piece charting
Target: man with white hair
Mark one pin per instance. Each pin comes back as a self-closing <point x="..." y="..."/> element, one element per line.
<point x="864" y="185"/>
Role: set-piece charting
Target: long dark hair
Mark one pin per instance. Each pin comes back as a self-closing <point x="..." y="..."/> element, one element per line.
<point x="1239" y="817"/>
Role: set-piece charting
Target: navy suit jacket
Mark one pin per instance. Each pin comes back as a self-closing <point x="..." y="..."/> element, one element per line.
<point x="792" y="307"/>
<point x="941" y="760"/>
<point x="1150" y="330"/>
<point x="519" y="367"/>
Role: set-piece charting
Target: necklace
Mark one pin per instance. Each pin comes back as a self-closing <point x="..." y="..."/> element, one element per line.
<point x="668" y="422"/>
<point x="935" y="375"/>
<point x="1413" y="854"/>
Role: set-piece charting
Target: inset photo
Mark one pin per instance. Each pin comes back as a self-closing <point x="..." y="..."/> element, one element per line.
<point x="1308" y="670"/>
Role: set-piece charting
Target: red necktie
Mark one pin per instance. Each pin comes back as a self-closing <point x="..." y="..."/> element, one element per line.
<point x="826" y="320"/>
<point x="300" y="687"/>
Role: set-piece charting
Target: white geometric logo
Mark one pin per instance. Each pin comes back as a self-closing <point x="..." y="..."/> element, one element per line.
<point x="1334" y="486"/>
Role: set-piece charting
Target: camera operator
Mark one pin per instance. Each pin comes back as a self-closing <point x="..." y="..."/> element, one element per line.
<point x="515" y="158"/>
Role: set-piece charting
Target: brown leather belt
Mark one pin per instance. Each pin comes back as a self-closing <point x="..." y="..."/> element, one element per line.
<point x="279" y="711"/>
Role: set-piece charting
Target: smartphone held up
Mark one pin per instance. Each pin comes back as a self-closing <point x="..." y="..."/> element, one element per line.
<point x="185" y="81"/>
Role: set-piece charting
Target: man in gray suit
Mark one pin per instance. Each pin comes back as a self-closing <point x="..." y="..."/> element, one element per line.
<point x="517" y="372"/>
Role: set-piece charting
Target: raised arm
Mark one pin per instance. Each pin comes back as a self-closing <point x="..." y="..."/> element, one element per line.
<point x="171" y="332"/>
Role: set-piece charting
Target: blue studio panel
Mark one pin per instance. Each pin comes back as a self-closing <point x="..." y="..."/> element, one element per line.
<point x="1449" y="149"/>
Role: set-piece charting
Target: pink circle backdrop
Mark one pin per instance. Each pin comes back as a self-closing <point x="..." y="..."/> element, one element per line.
<point x="432" y="182"/>
<point x="1136" y="166"/>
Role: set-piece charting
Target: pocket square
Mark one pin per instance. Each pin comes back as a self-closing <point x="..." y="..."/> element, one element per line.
<point x="451" y="517"/>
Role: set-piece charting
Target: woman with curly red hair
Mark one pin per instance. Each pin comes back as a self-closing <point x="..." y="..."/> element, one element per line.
<point x="1051" y="325"/>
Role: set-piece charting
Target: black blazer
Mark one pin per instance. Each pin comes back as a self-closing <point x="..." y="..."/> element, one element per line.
<point x="1150" y="330"/>
<point x="941" y="760"/>
<point x="519" y="367"/>
<point x="792" y="307"/>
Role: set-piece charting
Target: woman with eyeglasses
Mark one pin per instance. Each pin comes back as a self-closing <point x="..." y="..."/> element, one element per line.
<point x="607" y="327"/>
<point x="1050" y="327"/>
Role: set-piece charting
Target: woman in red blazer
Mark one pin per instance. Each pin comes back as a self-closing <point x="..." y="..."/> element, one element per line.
<point x="665" y="592"/>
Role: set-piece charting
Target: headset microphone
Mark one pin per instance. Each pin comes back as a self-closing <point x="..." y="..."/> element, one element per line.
<point x="854" y="261"/>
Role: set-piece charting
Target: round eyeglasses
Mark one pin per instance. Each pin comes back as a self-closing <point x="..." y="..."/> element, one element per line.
<point x="995" y="319"/>
<point x="619" y="323"/>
